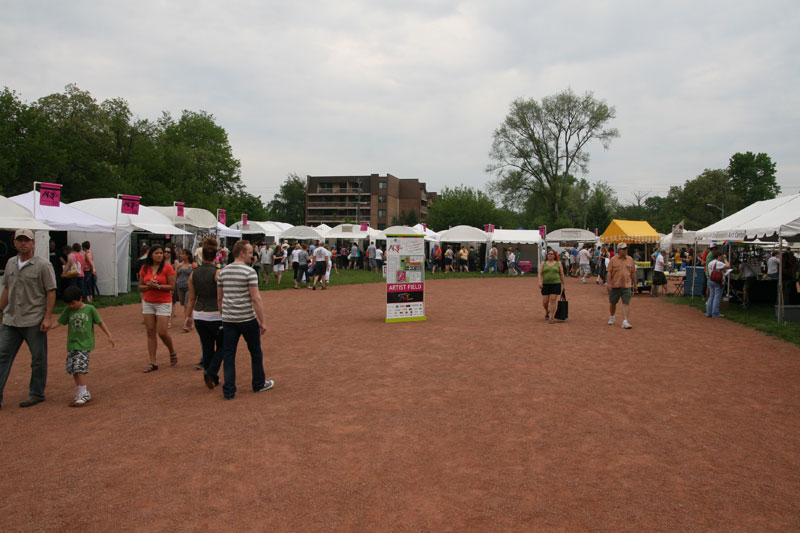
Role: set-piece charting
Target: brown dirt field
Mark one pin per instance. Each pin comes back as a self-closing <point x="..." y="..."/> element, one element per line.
<point x="484" y="417"/>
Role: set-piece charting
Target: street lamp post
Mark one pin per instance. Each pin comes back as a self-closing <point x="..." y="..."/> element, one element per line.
<point x="721" y="209"/>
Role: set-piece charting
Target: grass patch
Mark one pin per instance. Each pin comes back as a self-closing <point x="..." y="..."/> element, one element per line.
<point x="759" y="317"/>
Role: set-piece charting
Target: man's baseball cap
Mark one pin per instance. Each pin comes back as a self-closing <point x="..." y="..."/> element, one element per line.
<point x="23" y="233"/>
<point x="621" y="245"/>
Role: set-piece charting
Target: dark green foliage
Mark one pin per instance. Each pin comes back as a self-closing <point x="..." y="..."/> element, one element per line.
<point x="289" y="205"/>
<point x="100" y="150"/>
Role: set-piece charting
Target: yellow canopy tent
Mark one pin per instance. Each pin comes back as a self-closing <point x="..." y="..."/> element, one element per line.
<point x="630" y="231"/>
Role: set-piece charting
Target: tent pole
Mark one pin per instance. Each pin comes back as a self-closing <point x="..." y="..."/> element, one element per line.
<point x="694" y="262"/>
<point x="780" y="277"/>
<point x="116" y="273"/>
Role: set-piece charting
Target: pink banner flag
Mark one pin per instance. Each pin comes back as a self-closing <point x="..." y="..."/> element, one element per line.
<point x="179" y="207"/>
<point x="424" y="227"/>
<point x="542" y="231"/>
<point x="49" y="194"/>
<point x="364" y="226"/>
<point x="244" y="219"/>
<point x="130" y="204"/>
<point x="221" y="216"/>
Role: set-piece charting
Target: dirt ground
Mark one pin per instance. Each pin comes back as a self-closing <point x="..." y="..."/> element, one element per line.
<point x="484" y="417"/>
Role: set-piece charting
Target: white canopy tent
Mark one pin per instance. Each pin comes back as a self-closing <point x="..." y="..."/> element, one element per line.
<point x="267" y="228"/>
<point x="462" y="234"/>
<point x="112" y="254"/>
<point x="192" y="216"/>
<point x="527" y="241"/>
<point x="430" y="235"/>
<point x="571" y="235"/>
<point x="301" y="233"/>
<point x="13" y="217"/>
<point x="401" y="230"/>
<point x="768" y="220"/>
<point x="225" y="231"/>
<point x="352" y="232"/>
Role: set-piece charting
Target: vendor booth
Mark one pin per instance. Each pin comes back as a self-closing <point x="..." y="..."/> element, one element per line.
<point x="571" y="235"/>
<point x="301" y="233"/>
<point x="112" y="251"/>
<point x="352" y="232"/>
<point x="270" y="230"/>
<point x="769" y="220"/>
<point x="635" y="232"/>
<point x="13" y="217"/>
<point x="195" y="220"/>
<point x="528" y="242"/>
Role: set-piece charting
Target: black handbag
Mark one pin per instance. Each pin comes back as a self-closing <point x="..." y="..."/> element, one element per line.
<point x="562" y="311"/>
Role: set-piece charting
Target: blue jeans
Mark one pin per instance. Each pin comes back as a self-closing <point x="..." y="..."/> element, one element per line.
<point x="492" y="264"/>
<point x="210" y="333"/>
<point x="10" y="341"/>
<point x="231" y="331"/>
<point x="714" y="298"/>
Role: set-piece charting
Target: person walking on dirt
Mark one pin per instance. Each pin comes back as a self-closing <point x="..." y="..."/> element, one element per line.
<point x="551" y="283"/>
<point x="584" y="262"/>
<point x="242" y="316"/>
<point x="621" y="280"/>
<point x="436" y="258"/>
<point x="29" y="293"/>
<point x="492" y="264"/>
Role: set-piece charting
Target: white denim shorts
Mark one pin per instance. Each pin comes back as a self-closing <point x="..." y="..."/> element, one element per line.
<point x="156" y="309"/>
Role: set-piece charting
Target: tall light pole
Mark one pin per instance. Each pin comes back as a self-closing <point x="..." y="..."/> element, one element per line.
<point x="721" y="209"/>
<point x="358" y="202"/>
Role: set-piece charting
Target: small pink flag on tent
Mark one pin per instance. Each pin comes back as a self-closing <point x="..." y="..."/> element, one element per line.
<point x="50" y="194"/>
<point x="364" y="226"/>
<point x="244" y="219"/>
<point x="179" y="206"/>
<point x="221" y="215"/>
<point x="130" y="204"/>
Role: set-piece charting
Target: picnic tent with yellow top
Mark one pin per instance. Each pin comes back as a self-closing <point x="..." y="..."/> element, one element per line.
<point x="630" y="231"/>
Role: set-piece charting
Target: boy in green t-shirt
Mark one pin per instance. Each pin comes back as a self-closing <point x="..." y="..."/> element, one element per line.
<point x="81" y="319"/>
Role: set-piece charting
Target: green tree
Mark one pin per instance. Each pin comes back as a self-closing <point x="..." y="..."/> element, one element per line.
<point x="405" y="219"/>
<point x="601" y="208"/>
<point x="696" y="195"/>
<point x="752" y="178"/>
<point x="539" y="145"/>
<point x="289" y="205"/>
<point x="462" y="205"/>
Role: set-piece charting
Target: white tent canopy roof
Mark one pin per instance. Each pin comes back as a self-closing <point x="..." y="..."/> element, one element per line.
<point x="301" y="233"/>
<point x="269" y="229"/>
<point x="430" y="235"/>
<point x="353" y="232"/>
<point x="516" y="236"/>
<point x="571" y="235"/>
<point x="225" y="231"/>
<point x="323" y="228"/>
<point x="402" y="230"/>
<point x="762" y="220"/>
<point x="147" y="219"/>
<point x="13" y="217"/>
<point x="463" y="234"/>
<point x="64" y="217"/>
<point x="192" y="216"/>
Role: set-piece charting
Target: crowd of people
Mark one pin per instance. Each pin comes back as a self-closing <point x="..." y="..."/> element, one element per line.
<point x="218" y="292"/>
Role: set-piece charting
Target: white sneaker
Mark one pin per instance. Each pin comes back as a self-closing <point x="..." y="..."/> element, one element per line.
<point x="611" y="321"/>
<point x="626" y="325"/>
<point x="82" y="399"/>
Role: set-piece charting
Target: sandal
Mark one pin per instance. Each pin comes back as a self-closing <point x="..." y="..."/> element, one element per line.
<point x="151" y="368"/>
<point x="547" y="316"/>
<point x="173" y="359"/>
<point x="551" y="321"/>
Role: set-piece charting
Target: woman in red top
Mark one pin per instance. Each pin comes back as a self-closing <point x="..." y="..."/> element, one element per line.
<point x="156" y="282"/>
<point x="75" y="260"/>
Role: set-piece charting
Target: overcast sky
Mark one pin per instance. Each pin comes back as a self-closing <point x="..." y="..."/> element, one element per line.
<point x="416" y="88"/>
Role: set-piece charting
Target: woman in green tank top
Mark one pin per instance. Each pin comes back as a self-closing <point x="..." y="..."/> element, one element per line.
<point x="551" y="278"/>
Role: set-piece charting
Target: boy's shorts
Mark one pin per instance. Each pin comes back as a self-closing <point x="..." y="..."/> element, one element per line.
<point x="78" y="362"/>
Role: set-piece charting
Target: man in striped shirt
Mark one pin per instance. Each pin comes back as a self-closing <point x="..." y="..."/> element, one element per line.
<point x="242" y="316"/>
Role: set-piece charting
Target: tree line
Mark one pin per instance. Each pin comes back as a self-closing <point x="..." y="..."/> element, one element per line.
<point x="539" y="148"/>
<point x="97" y="150"/>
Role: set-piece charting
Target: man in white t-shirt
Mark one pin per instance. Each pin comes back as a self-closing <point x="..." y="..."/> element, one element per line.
<point x="265" y="257"/>
<point x="584" y="262"/>
<point x="319" y="258"/>
<point x="659" y="278"/>
<point x="773" y="265"/>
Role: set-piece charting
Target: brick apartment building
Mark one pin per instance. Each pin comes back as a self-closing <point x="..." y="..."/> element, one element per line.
<point x="375" y="199"/>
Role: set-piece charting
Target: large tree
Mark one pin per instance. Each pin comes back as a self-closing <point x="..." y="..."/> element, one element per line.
<point x="539" y="145"/>
<point x="289" y="205"/>
<point x="752" y="178"/>
<point x="464" y="205"/>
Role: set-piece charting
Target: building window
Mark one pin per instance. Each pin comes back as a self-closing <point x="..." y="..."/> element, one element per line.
<point x="382" y="213"/>
<point x="382" y="185"/>
<point x="381" y="199"/>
